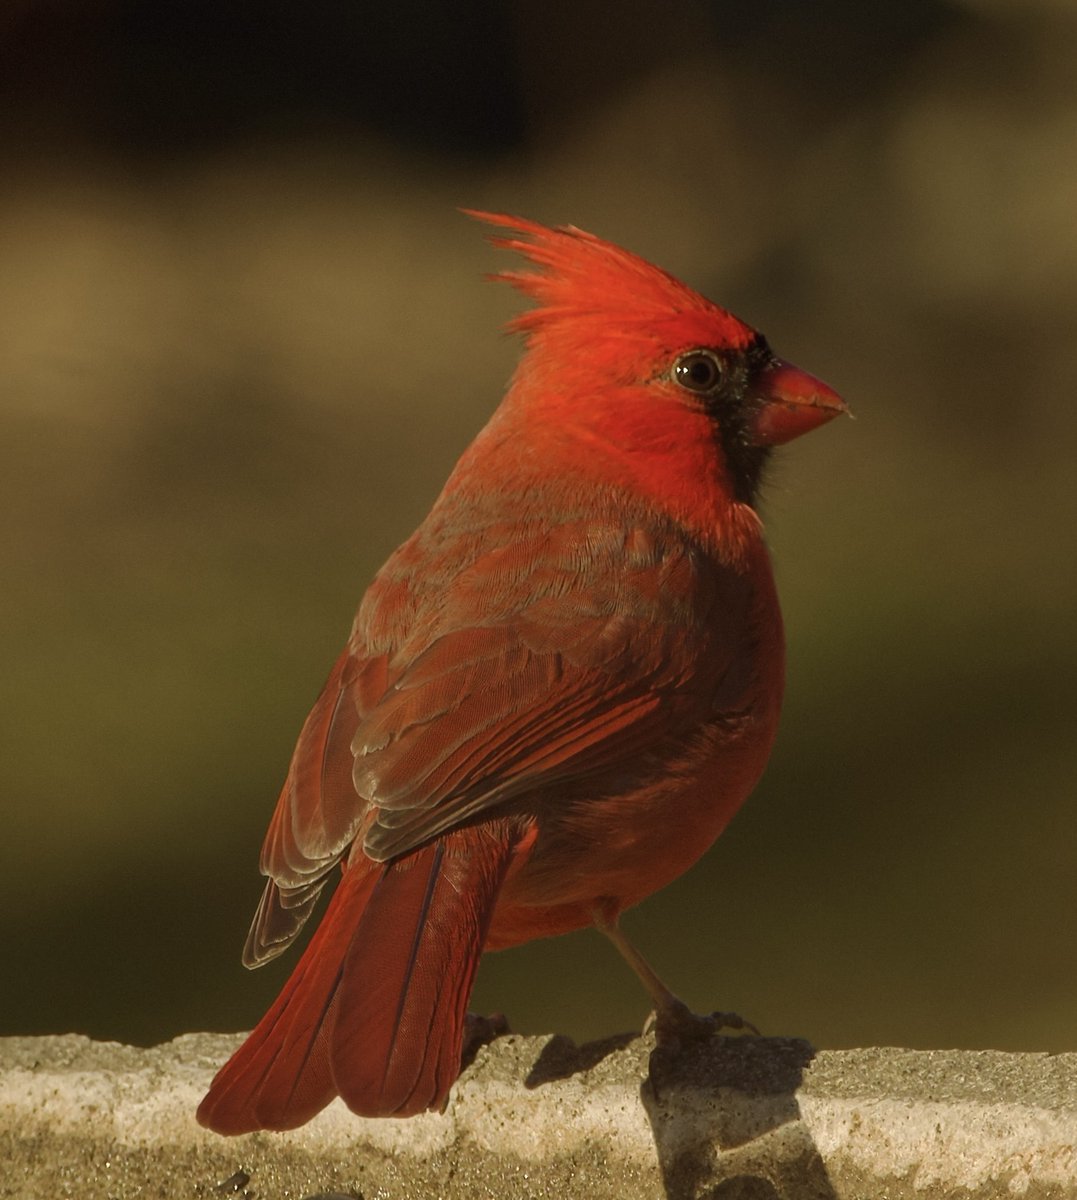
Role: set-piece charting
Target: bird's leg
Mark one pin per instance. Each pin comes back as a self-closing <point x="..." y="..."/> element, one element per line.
<point x="672" y="1017"/>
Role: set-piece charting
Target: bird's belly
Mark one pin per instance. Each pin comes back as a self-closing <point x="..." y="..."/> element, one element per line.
<point x="624" y="846"/>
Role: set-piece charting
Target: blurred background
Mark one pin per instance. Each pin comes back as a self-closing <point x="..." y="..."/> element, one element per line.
<point x="244" y="336"/>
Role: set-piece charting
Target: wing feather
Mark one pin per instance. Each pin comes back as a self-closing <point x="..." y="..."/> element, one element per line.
<point x="455" y="698"/>
<point x="558" y="686"/>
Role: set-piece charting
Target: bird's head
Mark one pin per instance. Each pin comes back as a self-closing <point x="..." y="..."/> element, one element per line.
<point x="623" y="339"/>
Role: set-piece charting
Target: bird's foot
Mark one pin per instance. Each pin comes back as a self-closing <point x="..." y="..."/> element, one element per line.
<point x="676" y="1021"/>
<point x="479" y="1032"/>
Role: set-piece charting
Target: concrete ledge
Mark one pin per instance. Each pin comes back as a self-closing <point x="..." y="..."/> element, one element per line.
<point x="752" y="1118"/>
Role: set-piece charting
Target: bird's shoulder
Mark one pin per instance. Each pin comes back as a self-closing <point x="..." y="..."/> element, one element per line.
<point x="540" y="563"/>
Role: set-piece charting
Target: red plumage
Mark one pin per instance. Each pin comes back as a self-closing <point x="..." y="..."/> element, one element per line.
<point x="555" y="694"/>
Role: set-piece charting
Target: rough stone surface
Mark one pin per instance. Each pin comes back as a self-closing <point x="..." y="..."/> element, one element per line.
<point x="733" y="1119"/>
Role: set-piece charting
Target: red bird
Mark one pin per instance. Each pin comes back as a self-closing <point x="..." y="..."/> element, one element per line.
<point x="555" y="695"/>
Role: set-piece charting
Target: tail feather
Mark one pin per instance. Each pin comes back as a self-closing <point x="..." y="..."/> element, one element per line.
<point x="408" y="974"/>
<point x="376" y="1007"/>
<point x="280" y="1077"/>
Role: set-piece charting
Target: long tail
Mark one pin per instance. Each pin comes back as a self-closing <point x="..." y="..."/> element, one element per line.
<point x="375" y="1009"/>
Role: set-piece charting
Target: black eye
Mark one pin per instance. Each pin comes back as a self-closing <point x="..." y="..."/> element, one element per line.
<point x="698" y="371"/>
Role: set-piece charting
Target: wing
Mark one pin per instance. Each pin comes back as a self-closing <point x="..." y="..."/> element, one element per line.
<point x="490" y="663"/>
<point x="595" y="646"/>
<point x="318" y="812"/>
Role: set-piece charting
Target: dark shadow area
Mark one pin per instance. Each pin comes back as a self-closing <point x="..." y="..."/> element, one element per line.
<point x="727" y="1123"/>
<point x="561" y="1057"/>
<point x="157" y="82"/>
<point x="724" y="1111"/>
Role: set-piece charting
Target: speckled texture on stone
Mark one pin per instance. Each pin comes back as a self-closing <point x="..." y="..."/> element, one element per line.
<point x="733" y="1119"/>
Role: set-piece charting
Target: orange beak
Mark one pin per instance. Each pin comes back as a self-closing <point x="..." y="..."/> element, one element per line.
<point x="792" y="402"/>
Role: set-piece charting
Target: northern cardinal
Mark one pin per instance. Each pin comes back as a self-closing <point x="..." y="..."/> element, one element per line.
<point x="555" y="694"/>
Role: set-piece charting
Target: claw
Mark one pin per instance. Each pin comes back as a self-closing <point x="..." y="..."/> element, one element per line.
<point x="479" y="1032"/>
<point x="675" y="1020"/>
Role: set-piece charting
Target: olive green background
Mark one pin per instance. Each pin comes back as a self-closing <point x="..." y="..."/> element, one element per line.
<point x="243" y="337"/>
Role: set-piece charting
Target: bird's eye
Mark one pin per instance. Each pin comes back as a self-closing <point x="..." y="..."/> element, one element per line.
<point x="698" y="371"/>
